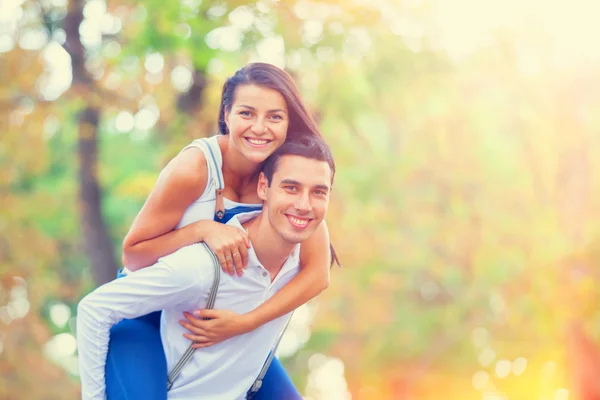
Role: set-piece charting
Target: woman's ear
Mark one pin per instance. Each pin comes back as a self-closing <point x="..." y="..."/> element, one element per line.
<point x="263" y="186"/>
<point x="226" y="119"/>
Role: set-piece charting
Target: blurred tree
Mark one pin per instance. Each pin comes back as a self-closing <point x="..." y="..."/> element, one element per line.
<point x="465" y="202"/>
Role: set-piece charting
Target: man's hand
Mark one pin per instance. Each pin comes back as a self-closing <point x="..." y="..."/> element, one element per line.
<point x="210" y="327"/>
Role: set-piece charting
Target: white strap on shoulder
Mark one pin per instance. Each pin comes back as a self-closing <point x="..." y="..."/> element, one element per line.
<point x="216" y="161"/>
<point x="212" y="153"/>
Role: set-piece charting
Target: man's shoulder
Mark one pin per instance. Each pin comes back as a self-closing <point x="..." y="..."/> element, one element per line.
<point x="196" y="256"/>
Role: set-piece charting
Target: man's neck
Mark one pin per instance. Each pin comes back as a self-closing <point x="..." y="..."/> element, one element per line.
<point x="270" y="248"/>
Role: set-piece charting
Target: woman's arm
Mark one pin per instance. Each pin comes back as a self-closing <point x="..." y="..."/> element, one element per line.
<point x="313" y="278"/>
<point x="152" y="233"/>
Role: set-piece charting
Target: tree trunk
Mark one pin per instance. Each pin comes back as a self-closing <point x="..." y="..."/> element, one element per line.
<point x="97" y="242"/>
<point x="191" y="100"/>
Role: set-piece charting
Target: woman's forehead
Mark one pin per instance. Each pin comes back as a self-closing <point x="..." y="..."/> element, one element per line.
<point x="258" y="96"/>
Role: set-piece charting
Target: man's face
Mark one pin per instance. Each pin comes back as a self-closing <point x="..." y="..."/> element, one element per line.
<point x="298" y="198"/>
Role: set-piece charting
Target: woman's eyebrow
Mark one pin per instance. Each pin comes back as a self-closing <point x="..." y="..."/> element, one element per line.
<point x="254" y="109"/>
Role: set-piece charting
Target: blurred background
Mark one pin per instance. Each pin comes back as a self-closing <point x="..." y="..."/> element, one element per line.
<point x="466" y="205"/>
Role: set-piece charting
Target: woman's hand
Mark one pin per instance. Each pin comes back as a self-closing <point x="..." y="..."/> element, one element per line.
<point x="229" y="243"/>
<point x="220" y="325"/>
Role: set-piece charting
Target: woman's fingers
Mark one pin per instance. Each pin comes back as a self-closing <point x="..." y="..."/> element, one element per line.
<point x="199" y="339"/>
<point x="225" y="260"/>
<point x="240" y="253"/>
<point x="202" y="345"/>
<point x="229" y="258"/>
<point x="243" y="250"/>
<point x="192" y="328"/>
<point x="197" y="319"/>
<point x="239" y="264"/>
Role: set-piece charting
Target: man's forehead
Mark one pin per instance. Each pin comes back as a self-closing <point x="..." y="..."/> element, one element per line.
<point x="304" y="170"/>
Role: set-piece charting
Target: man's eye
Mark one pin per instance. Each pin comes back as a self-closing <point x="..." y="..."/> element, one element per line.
<point x="320" y="193"/>
<point x="290" y="188"/>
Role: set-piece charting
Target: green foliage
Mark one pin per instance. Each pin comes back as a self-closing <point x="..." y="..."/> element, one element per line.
<point x="465" y="199"/>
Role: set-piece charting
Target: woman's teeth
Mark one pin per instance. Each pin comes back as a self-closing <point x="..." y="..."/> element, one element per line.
<point x="258" y="142"/>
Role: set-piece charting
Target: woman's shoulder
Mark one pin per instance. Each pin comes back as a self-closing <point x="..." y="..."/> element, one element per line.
<point x="187" y="169"/>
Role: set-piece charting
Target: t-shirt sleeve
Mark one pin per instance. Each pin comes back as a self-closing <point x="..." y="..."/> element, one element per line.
<point x="175" y="279"/>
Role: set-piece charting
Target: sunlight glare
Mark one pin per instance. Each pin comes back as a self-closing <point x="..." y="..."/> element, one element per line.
<point x="124" y="122"/>
<point x="328" y="381"/>
<point x="519" y="366"/>
<point x="271" y="50"/>
<point x="6" y="43"/>
<point x="33" y="39"/>
<point x="147" y="117"/>
<point x="61" y="345"/>
<point x="242" y="17"/>
<point x="503" y="368"/>
<point x="226" y="38"/>
<point x="486" y="357"/>
<point x="480" y="380"/>
<point x="60" y="314"/>
<point x="181" y="78"/>
<point x="480" y="337"/>
<point x="154" y="63"/>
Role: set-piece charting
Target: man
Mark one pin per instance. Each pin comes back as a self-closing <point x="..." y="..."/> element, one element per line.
<point x="295" y="186"/>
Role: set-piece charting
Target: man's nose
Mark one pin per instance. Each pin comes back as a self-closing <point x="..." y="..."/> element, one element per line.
<point x="303" y="202"/>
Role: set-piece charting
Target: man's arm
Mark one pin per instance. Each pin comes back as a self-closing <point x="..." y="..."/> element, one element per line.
<point x="175" y="279"/>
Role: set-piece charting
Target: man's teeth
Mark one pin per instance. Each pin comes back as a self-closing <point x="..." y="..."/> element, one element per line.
<point x="258" y="142"/>
<point x="297" y="221"/>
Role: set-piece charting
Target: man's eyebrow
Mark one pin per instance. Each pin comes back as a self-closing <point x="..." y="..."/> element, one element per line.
<point x="295" y="182"/>
<point x="290" y="182"/>
<point x="273" y="110"/>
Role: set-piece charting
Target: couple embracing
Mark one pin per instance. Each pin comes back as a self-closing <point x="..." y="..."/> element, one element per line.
<point x="250" y="202"/>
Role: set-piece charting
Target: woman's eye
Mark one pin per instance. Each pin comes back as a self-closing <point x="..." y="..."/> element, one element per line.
<point x="245" y="113"/>
<point x="277" y="117"/>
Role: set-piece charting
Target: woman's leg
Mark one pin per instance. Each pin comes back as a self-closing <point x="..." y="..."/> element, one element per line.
<point x="277" y="384"/>
<point x="135" y="365"/>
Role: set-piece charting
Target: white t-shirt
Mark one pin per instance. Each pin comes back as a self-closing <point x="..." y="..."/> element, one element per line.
<point x="176" y="283"/>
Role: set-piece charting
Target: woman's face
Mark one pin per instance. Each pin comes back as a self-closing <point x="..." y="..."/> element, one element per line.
<point x="257" y="122"/>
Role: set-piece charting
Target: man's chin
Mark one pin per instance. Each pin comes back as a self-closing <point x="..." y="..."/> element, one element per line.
<point x="295" y="238"/>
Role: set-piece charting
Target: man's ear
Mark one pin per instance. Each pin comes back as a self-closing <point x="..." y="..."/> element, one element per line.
<point x="263" y="186"/>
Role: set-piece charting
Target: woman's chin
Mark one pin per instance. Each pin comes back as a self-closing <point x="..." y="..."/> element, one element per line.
<point x="258" y="156"/>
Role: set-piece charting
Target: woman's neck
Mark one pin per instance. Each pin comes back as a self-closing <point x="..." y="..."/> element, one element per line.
<point x="237" y="170"/>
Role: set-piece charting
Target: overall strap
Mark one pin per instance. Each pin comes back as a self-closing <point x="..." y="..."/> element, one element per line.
<point x="218" y="177"/>
<point x="210" y="303"/>
<point x="258" y="382"/>
<point x="214" y="161"/>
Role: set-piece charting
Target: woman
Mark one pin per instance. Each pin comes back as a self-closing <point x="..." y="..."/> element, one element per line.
<point x="260" y="104"/>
